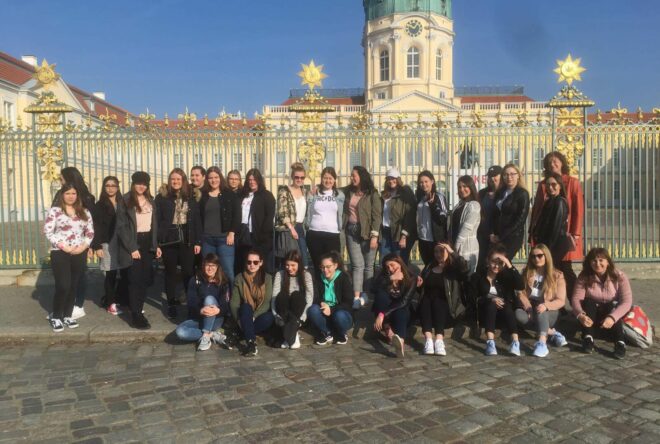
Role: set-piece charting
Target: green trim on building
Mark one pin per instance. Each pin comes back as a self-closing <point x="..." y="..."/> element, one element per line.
<point x="374" y="9"/>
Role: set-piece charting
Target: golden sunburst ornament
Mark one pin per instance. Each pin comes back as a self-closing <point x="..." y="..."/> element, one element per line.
<point x="311" y="75"/>
<point x="569" y="70"/>
<point x="45" y="74"/>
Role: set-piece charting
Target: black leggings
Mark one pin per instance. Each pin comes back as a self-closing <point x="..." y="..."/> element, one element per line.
<point x="598" y="312"/>
<point x="319" y="243"/>
<point x="434" y="313"/>
<point x="183" y="256"/>
<point x="290" y="307"/>
<point x="490" y="313"/>
<point x="67" y="270"/>
<point x="566" y="267"/>
<point x="110" y="287"/>
<point x="426" y="250"/>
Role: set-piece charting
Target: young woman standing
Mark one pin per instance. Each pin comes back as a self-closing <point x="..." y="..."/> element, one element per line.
<point x="69" y="230"/>
<point x="251" y="300"/>
<point x="105" y="243"/>
<point x="363" y="214"/>
<point x="487" y="202"/>
<point x="512" y="207"/>
<point x="137" y="229"/>
<point x="465" y="222"/>
<point x="551" y="224"/>
<point x="324" y="218"/>
<point x="179" y="233"/>
<point x="544" y="295"/>
<point x="431" y="216"/>
<point x="220" y="215"/>
<point x="398" y="225"/>
<point x="291" y="212"/>
<point x="293" y="294"/>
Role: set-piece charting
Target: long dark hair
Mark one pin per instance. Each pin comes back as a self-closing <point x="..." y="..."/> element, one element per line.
<point x="260" y="275"/>
<point x="185" y="191"/>
<point x="335" y="257"/>
<point x="407" y="278"/>
<point x="468" y="181"/>
<point x="589" y="275"/>
<point x="216" y="170"/>
<point x="261" y="183"/>
<point x="548" y="158"/>
<point x="293" y="256"/>
<point x="104" y="199"/>
<point x="71" y="175"/>
<point x="133" y="199"/>
<point x="557" y="177"/>
<point x="77" y="205"/>
<point x="434" y="189"/>
<point x="220" y="278"/>
<point x="331" y="171"/>
<point x="366" y="183"/>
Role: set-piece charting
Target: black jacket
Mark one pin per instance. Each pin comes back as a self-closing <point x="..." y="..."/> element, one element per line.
<point x="552" y="222"/>
<point x="382" y="282"/>
<point x="511" y="219"/>
<point x="454" y="276"/>
<point x="126" y="230"/>
<point x="507" y="282"/>
<point x="230" y="210"/>
<point x="198" y="289"/>
<point x="104" y="216"/>
<point x="343" y="292"/>
<point x="164" y="207"/>
<point x="262" y="215"/>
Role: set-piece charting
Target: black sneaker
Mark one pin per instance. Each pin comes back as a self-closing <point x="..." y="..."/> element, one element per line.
<point x="251" y="349"/>
<point x="619" y="350"/>
<point x="70" y="322"/>
<point x="324" y="340"/>
<point x="172" y="312"/>
<point x="588" y="344"/>
<point x="342" y="340"/>
<point x="140" y="322"/>
<point x="56" y="324"/>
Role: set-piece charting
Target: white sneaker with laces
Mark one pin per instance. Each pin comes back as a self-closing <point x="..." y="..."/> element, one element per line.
<point x="439" y="347"/>
<point x="428" y="347"/>
<point x="78" y="312"/>
<point x="296" y="343"/>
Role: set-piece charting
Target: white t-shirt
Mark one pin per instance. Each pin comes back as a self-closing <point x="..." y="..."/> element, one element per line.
<point x="387" y="208"/>
<point x="492" y="293"/>
<point x="324" y="213"/>
<point x="301" y="208"/>
<point x="245" y="210"/>
<point x="537" y="287"/>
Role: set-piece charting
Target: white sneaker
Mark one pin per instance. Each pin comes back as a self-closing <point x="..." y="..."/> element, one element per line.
<point x="399" y="346"/>
<point x="284" y="345"/>
<point x="428" y="347"/>
<point x="78" y="312"/>
<point x="296" y="343"/>
<point x="439" y="347"/>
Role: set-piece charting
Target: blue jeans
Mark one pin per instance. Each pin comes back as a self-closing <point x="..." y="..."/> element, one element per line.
<point x="218" y="245"/>
<point x="340" y="321"/>
<point x="389" y="245"/>
<point x="190" y="330"/>
<point x="302" y="245"/>
<point x="398" y="319"/>
<point x="250" y="326"/>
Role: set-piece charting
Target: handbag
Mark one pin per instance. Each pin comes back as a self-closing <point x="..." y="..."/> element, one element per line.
<point x="637" y="328"/>
<point x="174" y="236"/>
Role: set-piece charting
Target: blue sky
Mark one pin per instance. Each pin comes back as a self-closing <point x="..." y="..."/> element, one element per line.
<point x="242" y="54"/>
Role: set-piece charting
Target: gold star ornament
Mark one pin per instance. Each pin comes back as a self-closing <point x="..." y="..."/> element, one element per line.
<point x="45" y="74"/>
<point x="311" y="75"/>
<point x="569" y="70"/>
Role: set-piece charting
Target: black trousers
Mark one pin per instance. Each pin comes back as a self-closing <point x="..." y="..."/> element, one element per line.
<point x="181" y="255"/>
<point x="290" y="307"/>
<point x="67" y="270"/>
<point x="490" y="314"/>
<point x="110" y="288"/>
<point x="140" y="275"/>
<point x="426" y="250"/>
<point x="598" y="312"/>
<point x="433" y="314"/>
<point x="320" y="243"/>
<point x="566" y="267"/>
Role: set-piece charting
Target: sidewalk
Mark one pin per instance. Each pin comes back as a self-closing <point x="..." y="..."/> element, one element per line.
<point x="24" y="310"/>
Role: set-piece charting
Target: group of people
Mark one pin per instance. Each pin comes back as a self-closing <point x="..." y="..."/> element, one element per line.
<point x="271" y="263"/>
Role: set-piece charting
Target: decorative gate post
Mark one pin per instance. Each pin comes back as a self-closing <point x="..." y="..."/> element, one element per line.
<point x="569" y="116"/>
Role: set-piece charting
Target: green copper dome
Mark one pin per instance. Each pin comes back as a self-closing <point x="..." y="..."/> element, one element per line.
<point x="379" y="8"/>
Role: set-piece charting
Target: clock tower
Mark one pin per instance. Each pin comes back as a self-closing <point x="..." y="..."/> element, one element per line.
<point x="408" y="47"/>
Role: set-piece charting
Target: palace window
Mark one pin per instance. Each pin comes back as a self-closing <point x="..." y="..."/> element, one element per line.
<point x="381" y="95"/>
<point x="438" y="65"/>
<point x="489" y="157"/>
<point x="538" y="158"/>
<point x="355" y="158"/>
<point x="513" y="156"/>
<point x="217" y="160"/>
<point x="237" y="161"/>
<point x="330" y="158"/>
<point x="198" y="159"/>
<point x="178" y="160"/>
<point x="9" y="113"/>
<point x="281" y="162"/>
<point x="384" y="65"/>
<point x="595" y="190"/>
<point x="616" y="191"/>
<point x="597" y="157"/>
<point x="256" y="161"/>
<point x="413" y="63"/>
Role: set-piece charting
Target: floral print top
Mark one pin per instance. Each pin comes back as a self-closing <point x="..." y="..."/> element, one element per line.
<point x="72" y="231"/>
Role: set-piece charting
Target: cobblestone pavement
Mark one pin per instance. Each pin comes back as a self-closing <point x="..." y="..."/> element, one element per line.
<point x="170" y="393"/>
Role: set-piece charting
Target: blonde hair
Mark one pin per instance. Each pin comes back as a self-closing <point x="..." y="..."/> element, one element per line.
<point x="521" y="180"/>
<point x="297" y="166"/>
<point x="549" y="278"/>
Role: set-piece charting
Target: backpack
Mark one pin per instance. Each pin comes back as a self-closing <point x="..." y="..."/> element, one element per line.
<point x="637" y="328"/>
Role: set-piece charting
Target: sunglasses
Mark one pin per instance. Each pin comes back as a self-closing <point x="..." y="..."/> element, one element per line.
<point x="299" y="177"/>
<point x="538" y="256"/>
<point x="252" y="262"/>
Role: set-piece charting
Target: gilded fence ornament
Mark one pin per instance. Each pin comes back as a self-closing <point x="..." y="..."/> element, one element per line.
<point x="70" y="126"/>
<point x="640" y="114"/>
<point x="477" y="119"/>
<point x="656" y="117"/>
<point x="48" y="122"/>
<point x="144" y="121"/>
<point x="223" y="122"/>
<point x="361" y="121"/>
<point x="340" y="121"/>
<point x="398" y="121"/>
<point x="109" y="121"/>
<point x="498" y="118"/>
<point x="570" y="117"/>
<point x="439" y="122"/>
<point x="45" y="74"/>
<point x="458" y="119"/>
<point x="189" y="120"/>
<point x="521" y="118"/>
<point x="620" y="115"/>
<point x="312" y="153"/>
<point x="50" y="156"/>
<point x="569" y="70"/>
<point x="262" y="122"/>
<point x="4" y="125"/>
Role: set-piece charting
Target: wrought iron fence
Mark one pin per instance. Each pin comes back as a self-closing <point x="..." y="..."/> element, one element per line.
<point x="618" y="169"/>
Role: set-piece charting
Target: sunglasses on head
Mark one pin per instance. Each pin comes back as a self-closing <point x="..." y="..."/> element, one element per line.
<point x="252" y="262"/>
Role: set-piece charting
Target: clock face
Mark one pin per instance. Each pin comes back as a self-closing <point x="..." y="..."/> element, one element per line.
<point x="413" y="28"/>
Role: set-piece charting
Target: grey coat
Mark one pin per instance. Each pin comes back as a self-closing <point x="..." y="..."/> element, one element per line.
<point x="127" y="232"/>
<point x="467" y="245"/>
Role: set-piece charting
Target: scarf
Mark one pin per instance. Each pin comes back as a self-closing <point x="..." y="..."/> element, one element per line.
<point x="329" y="296"/>
<point x="253" y="294"/>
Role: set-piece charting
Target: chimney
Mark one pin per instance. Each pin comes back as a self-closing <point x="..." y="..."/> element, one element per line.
<point x="30" y="60"/>
<point x="99" y="95"/>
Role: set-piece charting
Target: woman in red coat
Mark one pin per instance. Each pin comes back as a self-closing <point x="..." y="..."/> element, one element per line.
<point x="555" y="162"/>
